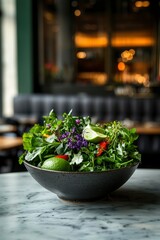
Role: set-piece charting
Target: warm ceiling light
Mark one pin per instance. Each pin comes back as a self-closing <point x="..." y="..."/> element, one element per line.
<point x="74" y="4"/>
<point x="77" y="12"/>
<point x="90" y="41"/>
<point x="127" y="55"/>
<point x="138" y="4"/>
<point x="135" y="40"/>
<point x="146" y="4"/>
<point x="81" y="55"/>
<point x="132" y="51"/>
<point x="118" y="40"/>
<point x="121" y="66"/>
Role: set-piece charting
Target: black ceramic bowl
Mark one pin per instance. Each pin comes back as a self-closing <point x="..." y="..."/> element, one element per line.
<point x="81" y="186"/>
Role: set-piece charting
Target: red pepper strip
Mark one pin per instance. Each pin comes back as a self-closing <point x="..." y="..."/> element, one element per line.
<point x="65" y="157"/>
<point x="102" y="147"/>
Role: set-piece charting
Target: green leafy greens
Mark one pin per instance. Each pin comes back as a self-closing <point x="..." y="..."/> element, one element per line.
<point x="65" y="136"/>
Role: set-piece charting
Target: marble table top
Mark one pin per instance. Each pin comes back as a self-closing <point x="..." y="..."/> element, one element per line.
<point x="28" y="211"/>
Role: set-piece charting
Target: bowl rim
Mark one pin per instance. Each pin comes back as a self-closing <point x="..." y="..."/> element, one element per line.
<point x="76" y="172"/>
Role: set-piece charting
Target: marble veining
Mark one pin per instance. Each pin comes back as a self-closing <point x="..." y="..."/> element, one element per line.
<point x="28" y="211"/>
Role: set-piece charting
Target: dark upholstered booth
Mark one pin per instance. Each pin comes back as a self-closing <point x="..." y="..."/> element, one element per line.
<point x="106" y="108"/>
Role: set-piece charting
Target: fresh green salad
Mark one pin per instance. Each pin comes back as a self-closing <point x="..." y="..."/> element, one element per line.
<point x="74" y="143"/>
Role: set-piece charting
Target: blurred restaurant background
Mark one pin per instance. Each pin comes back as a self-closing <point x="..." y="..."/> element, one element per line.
<point x="107" y="49"/>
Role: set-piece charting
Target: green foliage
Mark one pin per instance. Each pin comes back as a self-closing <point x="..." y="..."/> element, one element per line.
<point x="65" y="136"/>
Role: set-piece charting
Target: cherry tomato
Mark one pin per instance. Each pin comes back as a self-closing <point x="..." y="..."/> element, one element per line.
<point x="102" y="147"/>
<point x="65" y="157"/>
